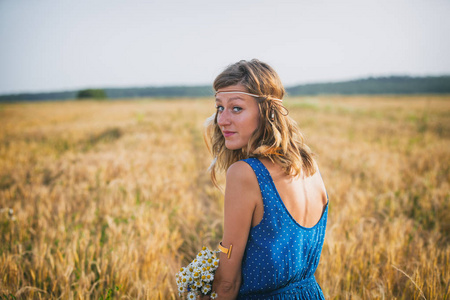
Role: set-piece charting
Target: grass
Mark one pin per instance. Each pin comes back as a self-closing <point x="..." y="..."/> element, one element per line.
<point x="108" y="199"/>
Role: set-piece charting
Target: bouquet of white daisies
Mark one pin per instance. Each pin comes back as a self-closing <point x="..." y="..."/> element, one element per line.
<point x="196" y="278"/>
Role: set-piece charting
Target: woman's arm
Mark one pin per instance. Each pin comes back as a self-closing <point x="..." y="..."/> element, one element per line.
<point x="241" y="196"/>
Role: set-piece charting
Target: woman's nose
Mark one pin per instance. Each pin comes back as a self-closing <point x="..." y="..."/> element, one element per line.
<point x="223" y="118"/>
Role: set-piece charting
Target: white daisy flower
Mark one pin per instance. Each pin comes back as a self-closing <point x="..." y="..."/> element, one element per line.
<point x="184" y="280"/>
<point x="205" y="290"/>
<point x="191" y="296"/>
<point x="209" y="277"/>
<point x="213" y="295"/>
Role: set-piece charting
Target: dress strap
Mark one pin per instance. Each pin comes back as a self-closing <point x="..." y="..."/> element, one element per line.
<point x="259" y="169"/>
<point x="272" y="206"/>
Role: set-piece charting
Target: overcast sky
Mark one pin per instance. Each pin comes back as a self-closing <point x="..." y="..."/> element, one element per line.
<point x="65" y="45"/>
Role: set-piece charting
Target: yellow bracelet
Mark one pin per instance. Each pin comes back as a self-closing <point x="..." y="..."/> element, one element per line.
<point x="225" y="250"/>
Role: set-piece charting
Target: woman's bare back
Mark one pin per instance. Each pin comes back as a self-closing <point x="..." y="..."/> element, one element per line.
<point x="304" y="197"/>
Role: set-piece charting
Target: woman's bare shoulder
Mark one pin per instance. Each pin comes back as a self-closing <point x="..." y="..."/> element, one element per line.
<point x="320" y="184"/>
<point x="242" y="172"/>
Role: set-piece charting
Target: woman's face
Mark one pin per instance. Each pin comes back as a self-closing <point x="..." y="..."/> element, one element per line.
<point x="237" y="116"/>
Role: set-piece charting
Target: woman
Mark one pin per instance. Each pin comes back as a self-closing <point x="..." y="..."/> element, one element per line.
<point x="275" y="201"/>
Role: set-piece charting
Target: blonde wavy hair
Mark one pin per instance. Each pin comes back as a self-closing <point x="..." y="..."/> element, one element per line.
<point x="277" y="136"/>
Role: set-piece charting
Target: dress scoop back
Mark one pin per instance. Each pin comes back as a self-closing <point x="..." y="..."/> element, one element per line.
<point x="281" y="255"/>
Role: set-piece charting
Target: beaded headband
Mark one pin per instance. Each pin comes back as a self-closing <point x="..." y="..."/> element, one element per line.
<point x="253" y="95"/>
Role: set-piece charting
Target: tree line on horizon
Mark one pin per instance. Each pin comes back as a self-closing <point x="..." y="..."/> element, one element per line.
<point x="367" y="86"/>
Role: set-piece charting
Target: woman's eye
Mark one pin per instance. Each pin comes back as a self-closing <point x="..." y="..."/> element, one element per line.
<point x="219" y="108"/>
<point x="237" y="109"/>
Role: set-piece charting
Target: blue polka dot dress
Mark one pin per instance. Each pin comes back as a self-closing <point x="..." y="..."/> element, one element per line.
<point x="281" y="256"/>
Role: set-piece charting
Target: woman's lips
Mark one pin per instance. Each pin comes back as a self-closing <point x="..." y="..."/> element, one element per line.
<point x="227" y="133"/>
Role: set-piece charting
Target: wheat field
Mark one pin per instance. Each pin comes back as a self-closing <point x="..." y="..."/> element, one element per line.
<point x="107" y="199"/>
